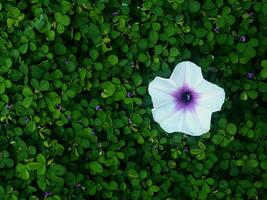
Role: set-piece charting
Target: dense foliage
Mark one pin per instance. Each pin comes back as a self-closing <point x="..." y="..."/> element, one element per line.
<point x="76" y="117"/>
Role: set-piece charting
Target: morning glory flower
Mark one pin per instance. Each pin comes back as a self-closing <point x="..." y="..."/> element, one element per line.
<point x="250" y="75"/>
<point x="243" y="38"/>
<point x="185" y="101"/>
<point x="216" y="29"/>
<point x="98" y="107"/>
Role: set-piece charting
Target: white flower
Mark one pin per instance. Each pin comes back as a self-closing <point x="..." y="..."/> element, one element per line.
<point x="185" y="101"/>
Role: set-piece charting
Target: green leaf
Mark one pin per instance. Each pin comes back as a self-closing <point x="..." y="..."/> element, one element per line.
<point x="27" y="102"/>
<point x="60" y="28"/>
<point x="201" y="146"/>
<point x="93" y="54"/>
<point x="44" y="85"/>
<point x="31" y="126"/>
<point x="113" y="59"/>
<point x="263" y="72"/>
<point x="71" y="93"/>
<point x="194" y="6"/>
<point x="174" y="52"/>
<point x="195" y="151"/>
<point x="66" y="6"/>
<point x="23" y="48"/>
<point x="62" y="19"/>
<point x="27" y="92"/>
<point x="264" y="63"/>
<point x="218" y="139"/>
<point x="153" y="36"/>
<point x="22" y="172"/>
<point x="2" y="88"/>
<point x="231" y="129"/>
<point x="95" y="167"/>
<point x="143" y="44"/>
<point x="108" y="89"/>
<point x="264" y="164"/>
<point x="262" y="86"/>
<point x="253" y="94"/>
<point x="137" y="79"/>
<point x="93" y="33"/>
<point x="113" y="185"/>
<point x="132" y="173"/>
<point x="13" y="12"/>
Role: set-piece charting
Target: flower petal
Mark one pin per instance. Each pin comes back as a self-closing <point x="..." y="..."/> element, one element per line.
<point x="173" y="123"/>
<point x="160" y="90"/>
<point x="211" y="96"/>
<point x="187" y="73"/>
<point x="163" y="112"/>
<point x="197" y="122"/>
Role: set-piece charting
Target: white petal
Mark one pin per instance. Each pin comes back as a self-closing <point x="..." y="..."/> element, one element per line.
<point x="163" y="112"/>
<point x="187" y="73"/>
<point x="197" y="122"/>
<point x="173" y="123"/>
<point x="211" y="96"/>
<point x="160" y="90"/>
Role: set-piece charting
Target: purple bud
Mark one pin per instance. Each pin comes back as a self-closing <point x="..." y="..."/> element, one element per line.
<point x="97" y="107"/>
<point x="58" y="106"/>
<point x="250" y="14"/>
<point x="129" y="94"/>
<point x="92" y="131"/>
<point x="26" y="119"/>
<point x="243" y="38"/>
<point x="250" y="75"/>
<point x="129" y="121"/>
<point x="115" y="13"/>
<point x="46" y="194"/>
<point x="9" y="106"/>
<point x="66" y="61"/>
<point x="79" y="186"/>
<point x="216" y="29"/>
<point x="68" y="117"/>
<point x="186" y="149"/>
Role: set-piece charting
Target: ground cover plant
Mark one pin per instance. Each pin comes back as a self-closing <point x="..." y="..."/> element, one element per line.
<point x="76" y="119"/>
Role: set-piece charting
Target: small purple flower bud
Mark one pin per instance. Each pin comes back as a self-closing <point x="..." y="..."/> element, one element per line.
<point x="93" y="132"/>
<point x="186" y="149"/>
<point x="250" y="14"/>
<point x="129" y="94"/>
<point x="129" y="121"/>
<point x="216" y="29"/>
<point x="66" y="61"/>
<point x="243" y="38"/>
<point x="68" y="117"/>
<point x="47" y="194"/>
<point x="79" y="186"/>
<point x="26" y="119"/>
<point x="9" y="106"/>
<point x="250" y="75"/>
<point x="58" y="106"/>
<point x="97" y="107"/>
<point x="115" y="13"/>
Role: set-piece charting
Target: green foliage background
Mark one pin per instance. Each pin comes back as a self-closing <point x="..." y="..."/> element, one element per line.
<point x="76" y="116"/>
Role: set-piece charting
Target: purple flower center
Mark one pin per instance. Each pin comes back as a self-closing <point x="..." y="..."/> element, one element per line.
<point x="243" y="38"/>
<point x="216" y="29"/>
<point x="250" y="75"/>
<point x="250" y="14"/>
<point x="185" y="98"/>
<point x="129" y="94"/>
<point x="98" y="107"/>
